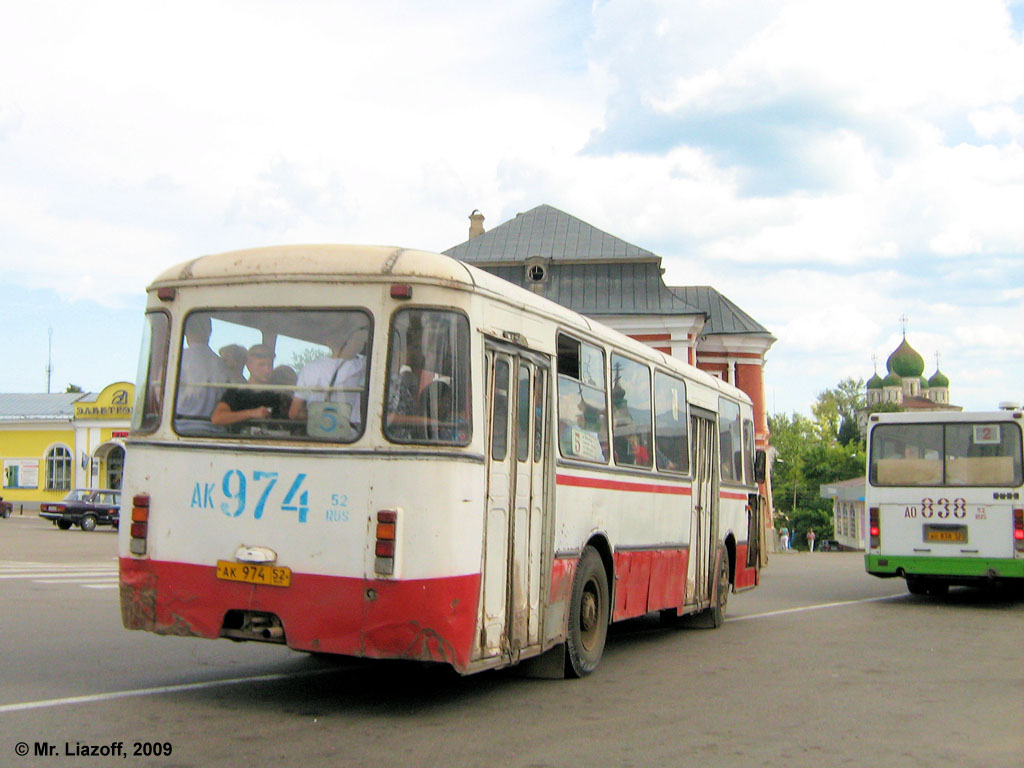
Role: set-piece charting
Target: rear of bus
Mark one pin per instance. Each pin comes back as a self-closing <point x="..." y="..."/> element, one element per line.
<point x="945" y="498"/>
<point x="330" y="501"/>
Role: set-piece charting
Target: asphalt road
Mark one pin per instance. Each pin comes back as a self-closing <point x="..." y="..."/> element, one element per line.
<point x="822" y="665"/>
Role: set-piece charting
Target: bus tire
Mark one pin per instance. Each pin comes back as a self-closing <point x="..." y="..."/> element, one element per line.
<point x="916" y="585"/>
<point x="714" y="616"/>
<point x="588" y="615"/>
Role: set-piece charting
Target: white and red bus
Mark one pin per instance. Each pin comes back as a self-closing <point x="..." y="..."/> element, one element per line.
<point x="419" y="460"/>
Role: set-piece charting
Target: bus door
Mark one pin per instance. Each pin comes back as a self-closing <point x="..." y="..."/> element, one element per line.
<point x="516" y="486"/>
<point x="704" y="509"/>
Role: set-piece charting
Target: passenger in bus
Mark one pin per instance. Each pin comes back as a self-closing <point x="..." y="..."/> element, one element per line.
<point x="252" y="404"/>
<point x="234" y="356"/>
<point x="405" y="384"/>
<point x="436" y="408"/>
<point x="346" y="370"/>
<point x="284" y="376"/>
<point x="200" y="367"/>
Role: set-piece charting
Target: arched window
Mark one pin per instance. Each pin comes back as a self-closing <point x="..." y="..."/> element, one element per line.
<point x="115" y="467"/>
<point x="58" y="469"/>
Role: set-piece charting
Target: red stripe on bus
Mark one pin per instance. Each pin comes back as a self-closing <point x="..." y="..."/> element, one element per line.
<point x="421" y="619"/>
<point x="621" y="485"/>
<point x="737" y="496"/>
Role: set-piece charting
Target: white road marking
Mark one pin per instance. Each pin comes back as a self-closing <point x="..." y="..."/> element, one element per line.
<point x="159" y="690"/>
<point x="97" y="575"/>
<point x="819" y="606"/>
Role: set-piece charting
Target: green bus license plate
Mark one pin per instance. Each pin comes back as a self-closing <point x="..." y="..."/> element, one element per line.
<point x="946" y="534"/>
<point x="251" y="573"/>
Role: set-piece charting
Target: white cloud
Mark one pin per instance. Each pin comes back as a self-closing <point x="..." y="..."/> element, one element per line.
<point x="827" y="166"/>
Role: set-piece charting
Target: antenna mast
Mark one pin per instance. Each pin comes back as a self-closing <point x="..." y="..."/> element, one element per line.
<point x="49" y="358"/>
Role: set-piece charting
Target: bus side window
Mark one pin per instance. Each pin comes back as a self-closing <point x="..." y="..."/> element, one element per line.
<point x="671" y="438"/>
<point x="582" y="401"/>
<point x="748" y="451"/>
<point x="730" y="441"/>
<point x="631" y="412"/>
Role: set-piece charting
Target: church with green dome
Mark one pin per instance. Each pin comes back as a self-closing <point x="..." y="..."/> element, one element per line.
<point x="905" y="384"/>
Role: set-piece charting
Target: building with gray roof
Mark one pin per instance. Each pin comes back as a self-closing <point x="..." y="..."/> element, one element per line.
<point x="597" y="274"/>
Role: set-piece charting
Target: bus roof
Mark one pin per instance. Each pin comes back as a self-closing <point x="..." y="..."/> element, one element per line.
<point x="329" y="263"/>
<point x="941" y="417"/>
<point x="315" y="262"/>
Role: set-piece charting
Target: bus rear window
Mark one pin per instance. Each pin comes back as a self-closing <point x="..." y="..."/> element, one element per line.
<point x="299" y="374"/>
<point x="957" y="454"/>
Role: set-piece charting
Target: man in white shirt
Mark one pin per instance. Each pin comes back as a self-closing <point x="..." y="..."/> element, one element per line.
<point x="200" y="368"/>
<point x="346" y="370"/>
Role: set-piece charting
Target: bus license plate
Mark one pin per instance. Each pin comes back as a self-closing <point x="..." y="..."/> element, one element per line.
<point x="946" y="534"/>
<point x="252" y="573"/>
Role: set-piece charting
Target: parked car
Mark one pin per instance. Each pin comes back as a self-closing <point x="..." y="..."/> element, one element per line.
<point x="5" y="507"/>
<point x="830" y="545"/>
<point x="84" y="507"/>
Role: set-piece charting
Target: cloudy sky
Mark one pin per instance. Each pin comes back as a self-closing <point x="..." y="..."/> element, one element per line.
<point x="829" y="166"/>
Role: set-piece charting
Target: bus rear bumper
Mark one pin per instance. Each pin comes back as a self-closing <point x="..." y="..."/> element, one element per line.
<point x="424" y="620"/>
<point x="954" y="569"/>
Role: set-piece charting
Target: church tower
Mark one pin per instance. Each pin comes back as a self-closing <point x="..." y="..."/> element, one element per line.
<point x="905" y="384"/>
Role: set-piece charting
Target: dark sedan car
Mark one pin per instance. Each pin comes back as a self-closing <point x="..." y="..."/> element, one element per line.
<point x="84" y="507"/>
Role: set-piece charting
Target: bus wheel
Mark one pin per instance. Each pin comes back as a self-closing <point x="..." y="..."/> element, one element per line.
<point x="917" y="585"/>
<point x="588" y="616"/>
<point x="714" y="617"/>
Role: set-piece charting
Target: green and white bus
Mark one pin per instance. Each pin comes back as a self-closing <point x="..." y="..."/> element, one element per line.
<point x="945" y="498"/>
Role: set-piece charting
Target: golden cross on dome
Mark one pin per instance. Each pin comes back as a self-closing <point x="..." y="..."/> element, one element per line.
<point x="903" y="322"/>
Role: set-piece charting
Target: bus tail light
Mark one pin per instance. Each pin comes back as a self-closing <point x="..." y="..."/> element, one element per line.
<point x="384" y="547"/>
<point x="875" y="529"/>
<point x="1018" y="530"/>
<point x="139" y="524"/>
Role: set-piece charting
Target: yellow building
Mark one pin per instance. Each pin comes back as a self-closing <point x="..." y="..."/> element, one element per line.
<point x="52" y="443"/>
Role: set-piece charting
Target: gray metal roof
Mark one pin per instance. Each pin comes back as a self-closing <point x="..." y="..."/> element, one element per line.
<point x="550" y="234"/>
<point x="56" y="407"/>
<point x="723" y="316"/>
<point x="594" y="273"/>
<point x="604" y="288"/>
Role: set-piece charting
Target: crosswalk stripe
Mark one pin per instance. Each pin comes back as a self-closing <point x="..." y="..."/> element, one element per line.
<point x="88" y="575"/>
<point x="34" y="574"/>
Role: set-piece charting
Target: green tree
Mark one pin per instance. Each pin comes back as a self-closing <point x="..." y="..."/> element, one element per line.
<point x="810" y="453"/>
<point x="835" y="412"/>
<point x="308" y="355"/>
<point x="73" y="388"/>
